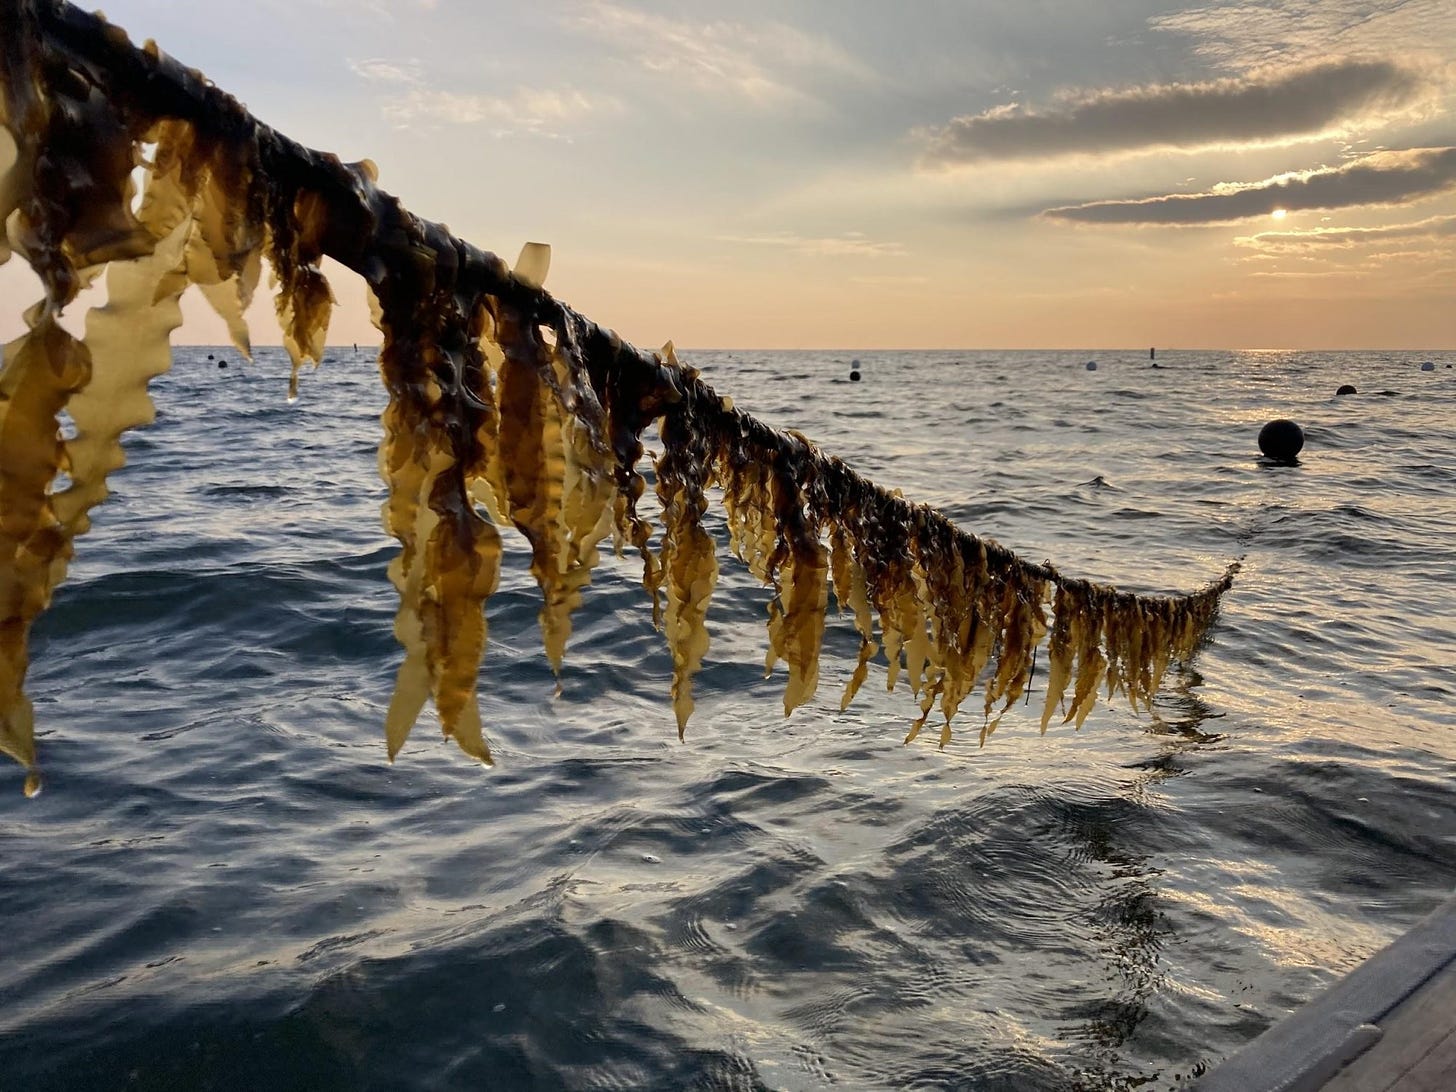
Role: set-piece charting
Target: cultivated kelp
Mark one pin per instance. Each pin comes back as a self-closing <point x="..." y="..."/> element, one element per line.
<point x="505" y="407"/>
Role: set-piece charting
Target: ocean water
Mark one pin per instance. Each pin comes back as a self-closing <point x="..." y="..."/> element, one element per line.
<point x="226" y="886"/>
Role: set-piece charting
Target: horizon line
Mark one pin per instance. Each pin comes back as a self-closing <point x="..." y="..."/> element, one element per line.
<point x="933" y="348"/>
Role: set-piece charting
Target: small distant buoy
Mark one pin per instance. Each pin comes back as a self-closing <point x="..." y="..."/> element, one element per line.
<point x="209" y="356"/>
<point x="1346" y="389"/>
<point x="1091" y="365"/>
<point x="1428" y="366"/>
<point x="222" y="363"/>
<point x="854" y="371"/>
<point x="1281" y="440"/>
<point x="1153" y="353"/>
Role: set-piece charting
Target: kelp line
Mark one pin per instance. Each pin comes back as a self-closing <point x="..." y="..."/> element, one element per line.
<point x="505" y="406"/>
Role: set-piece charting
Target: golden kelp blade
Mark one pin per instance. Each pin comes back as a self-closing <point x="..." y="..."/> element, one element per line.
<point x="128" y="339"/>
<point x="449" y="563"/>
<point x="688" y="558"/>
<point x="533" y="455"/>
<point x="851" y="591"/>
<point x="9" y="187"/>
<point x="533" y="264"/>
<point x="41" y="370"/>
<point x="499" y="396"/>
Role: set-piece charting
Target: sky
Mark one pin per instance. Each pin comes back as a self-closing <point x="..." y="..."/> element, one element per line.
<point x="853" y="174"/>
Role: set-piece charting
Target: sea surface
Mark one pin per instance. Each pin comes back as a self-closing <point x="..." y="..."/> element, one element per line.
<point x="225" y="885"/>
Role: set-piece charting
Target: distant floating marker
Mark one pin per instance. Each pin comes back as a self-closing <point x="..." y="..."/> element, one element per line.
<point x="854" y="371"/>
<point x="1428" y="366"/>
<point x="1091" y="365"/>
<point x="1281" y="440"/>
<point x="1347" y="389"/>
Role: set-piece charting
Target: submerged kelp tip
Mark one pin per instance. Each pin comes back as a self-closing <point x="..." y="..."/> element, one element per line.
<point x="33" y="783"/>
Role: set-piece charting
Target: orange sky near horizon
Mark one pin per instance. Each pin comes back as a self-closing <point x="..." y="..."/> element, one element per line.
<point x="797" y="174"/>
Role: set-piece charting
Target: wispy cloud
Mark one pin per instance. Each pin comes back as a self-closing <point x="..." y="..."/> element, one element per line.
<point x="850" y="244"/>
<point x="534" y="111"/>
<point x="383" y="10"/>
<point x="1407" y="268"/>
<point x="1325" y="238"/>
<point x="763" y="63"/>
<point x="381" y="70"/>
<point x="530" y="111"/>
<point x="1382" y="178"/>
<point x="1260" y="108"/>
<point x="1250" y="31"/>
<point x="891" y="280"/>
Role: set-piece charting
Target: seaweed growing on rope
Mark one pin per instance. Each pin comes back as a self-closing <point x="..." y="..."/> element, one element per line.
<point x="505" y="406"/>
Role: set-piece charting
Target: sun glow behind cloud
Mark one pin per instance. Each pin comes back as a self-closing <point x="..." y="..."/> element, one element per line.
<point x="1381" y="178"/>
<point x="1439" y="229"/>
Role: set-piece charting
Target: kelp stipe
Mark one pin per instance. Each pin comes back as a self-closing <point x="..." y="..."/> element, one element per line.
<point x="505" y="405"/>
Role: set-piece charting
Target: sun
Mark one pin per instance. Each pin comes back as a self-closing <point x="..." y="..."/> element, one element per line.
<point x="1279" y="214"/>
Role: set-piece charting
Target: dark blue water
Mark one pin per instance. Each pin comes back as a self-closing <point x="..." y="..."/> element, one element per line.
<point x="226" y="886"/>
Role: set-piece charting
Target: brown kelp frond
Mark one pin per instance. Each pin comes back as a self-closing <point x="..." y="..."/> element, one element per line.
<point x="441" y="446"/>
<point x="41" y="370"/>
<point x="504" y="406"/>
<point x="688" y="558"/>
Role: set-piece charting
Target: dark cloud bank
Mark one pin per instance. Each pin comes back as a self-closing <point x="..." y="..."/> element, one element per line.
<point x="1383" y="178"/>
<point x="1433" y="227"/>
<point x="1256" y="108"/>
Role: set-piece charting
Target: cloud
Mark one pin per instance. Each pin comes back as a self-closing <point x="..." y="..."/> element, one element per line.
<point x="758" y="62"/>
<point x="1382" y="178"/>
<point x="1408" y="267"/>
<point x="383" y="10"/>
<point x="379" y="70"/>
<point x="1273" y="106"/>
<point x="1316" y="239"/>
<point x="534" y="111"/>
<point x="891" y="280"/>
<point x="1250" y="31"/>
<point x="850" y="244"/>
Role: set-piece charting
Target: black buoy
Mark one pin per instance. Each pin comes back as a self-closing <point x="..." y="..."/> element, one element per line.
<point x="1091" y="365"/>
<point x="1428" y="366"/>
<point x="209" y="356"/>
<point x="854" y="371"/>
<point x="1347" y="389"/>
<point x="1281" y="440"/>
<point x="222" y="363"/>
